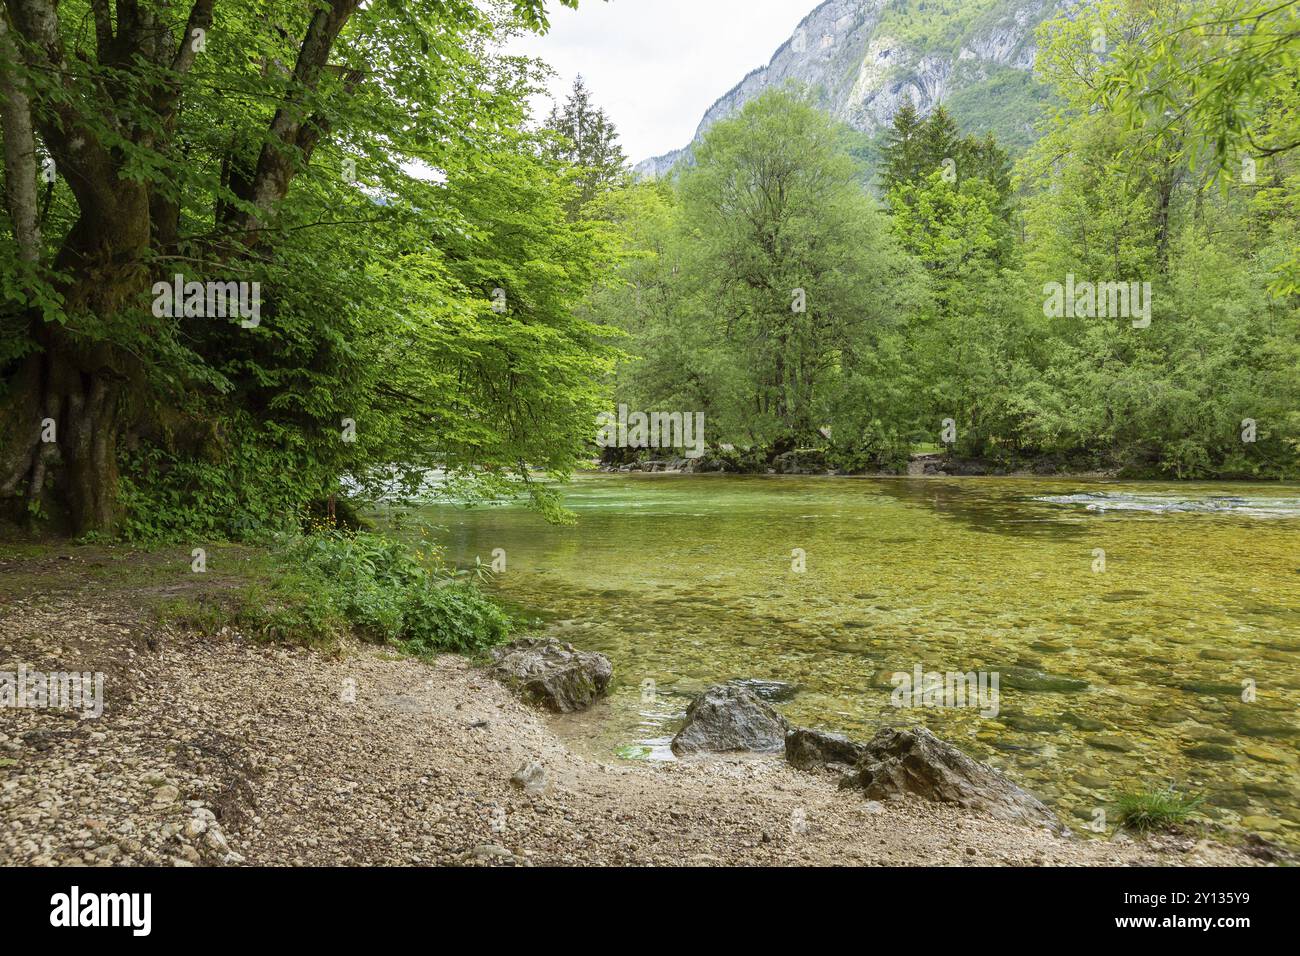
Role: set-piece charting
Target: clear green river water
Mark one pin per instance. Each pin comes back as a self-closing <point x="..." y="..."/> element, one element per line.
<point x="1129" y="675"/>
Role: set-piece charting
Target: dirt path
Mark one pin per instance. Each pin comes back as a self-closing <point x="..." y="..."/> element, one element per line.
<point x="222" y="751"/>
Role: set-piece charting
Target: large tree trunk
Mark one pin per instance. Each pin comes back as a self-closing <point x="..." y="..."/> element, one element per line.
<point x="78" y="382"/>
<point x="75" y="396"/>
<point x="88" y="402"/>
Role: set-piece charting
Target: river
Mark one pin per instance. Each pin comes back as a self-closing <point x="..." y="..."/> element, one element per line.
<point x="1143" y="633"/>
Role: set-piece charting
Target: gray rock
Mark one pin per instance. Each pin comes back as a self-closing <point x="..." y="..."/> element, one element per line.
<point x="553" y="675"/>
<point x="489" y="852"/>
<point x="727" y="717"/>
<point x="810" y="749"/>
<point x="897" y="762"/>
<point x="531" y="777"/>
<point x="863" y="71"/>
<point x="702" y="465"/>
<point x="804" y="461"/>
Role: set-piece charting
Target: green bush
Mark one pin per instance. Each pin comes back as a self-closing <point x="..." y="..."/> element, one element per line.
<point x="316" y="588"/>
<point x="397" y="593"/>
<point x="455" y="617"/>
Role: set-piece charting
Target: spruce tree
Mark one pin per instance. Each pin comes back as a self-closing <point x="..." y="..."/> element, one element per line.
<point x="588" y="140"/>
<point x="901" y="151"/>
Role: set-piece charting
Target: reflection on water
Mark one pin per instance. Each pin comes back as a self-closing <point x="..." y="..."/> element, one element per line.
<point x="1129" y="675"/>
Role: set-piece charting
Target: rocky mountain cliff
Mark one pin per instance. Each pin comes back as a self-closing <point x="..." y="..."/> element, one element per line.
<point x="861" y="59"/>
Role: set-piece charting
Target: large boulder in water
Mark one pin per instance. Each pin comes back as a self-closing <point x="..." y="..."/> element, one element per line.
<point x="898" y="762"/>
<point x="728" y="717"/>
<point x="552" y="674"/>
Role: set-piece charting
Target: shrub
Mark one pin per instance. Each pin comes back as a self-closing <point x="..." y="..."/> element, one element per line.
<point x="455" y="617"/>
<point x="396" y="593"/>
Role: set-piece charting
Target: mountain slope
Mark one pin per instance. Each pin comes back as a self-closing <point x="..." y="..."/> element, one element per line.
<point x="861" y="59"/>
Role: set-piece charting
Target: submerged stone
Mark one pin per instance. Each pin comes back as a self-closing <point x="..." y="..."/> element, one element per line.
<point x="1258" y="723"/>
<point x="1269" y="791"/>
<point x="1082" y="723"/>
<point x="775" y="691"/>
<point x="1026" y="678"/>
<point x="1210" y="688"/>
<point x="1264" y="754"/>
<point x="1261" y="824"/>
<point x="1092" y="782"/>
<point x="1210" y="752"/>
<point x="1029" y="723"/>
<point x="1231" y="799"/>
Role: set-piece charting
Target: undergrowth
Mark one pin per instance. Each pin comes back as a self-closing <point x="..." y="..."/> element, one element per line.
<point x="316" y="588"/>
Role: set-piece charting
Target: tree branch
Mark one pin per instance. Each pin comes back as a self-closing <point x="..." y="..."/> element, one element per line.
<point x="200" y="19"/>
<point x="291" y="135"/>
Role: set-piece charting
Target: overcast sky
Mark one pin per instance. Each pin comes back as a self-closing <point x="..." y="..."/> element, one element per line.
<point x="655" y="66"/>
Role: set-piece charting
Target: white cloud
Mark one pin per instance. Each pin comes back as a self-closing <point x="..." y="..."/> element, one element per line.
<point x="655" y="66"/>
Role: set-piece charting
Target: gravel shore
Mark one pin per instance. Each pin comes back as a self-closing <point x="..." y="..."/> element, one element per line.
<point x="221" y="751"/>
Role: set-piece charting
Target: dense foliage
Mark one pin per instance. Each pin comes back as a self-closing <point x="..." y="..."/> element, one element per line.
<point x="316" y="588"/>
<point x="930" y="314"/>
<point x="394" y="593"/>
<point x="415" y="248"/>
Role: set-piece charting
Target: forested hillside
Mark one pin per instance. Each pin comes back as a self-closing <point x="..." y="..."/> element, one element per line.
<point x="772" y="292"/>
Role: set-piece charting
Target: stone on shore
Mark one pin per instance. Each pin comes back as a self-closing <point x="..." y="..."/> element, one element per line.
<point x="530" y="778"/>
<point x="811" y="749"/>
<point x="551" y="674"/>
<point x="727" y="717"/>
<point x="913" y="761"/>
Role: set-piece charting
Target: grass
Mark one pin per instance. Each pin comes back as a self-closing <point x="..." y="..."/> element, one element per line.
<point x="312" y="589"/>
<point x="1147" y="810"/>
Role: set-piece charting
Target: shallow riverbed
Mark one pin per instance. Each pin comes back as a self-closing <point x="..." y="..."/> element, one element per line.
<point x="1130" y="675"/>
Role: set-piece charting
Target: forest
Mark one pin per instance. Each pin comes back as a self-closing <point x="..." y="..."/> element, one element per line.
<point x="391" y="474"/>
<point x="445" y="281"/>
<point x="790" y="295"/>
